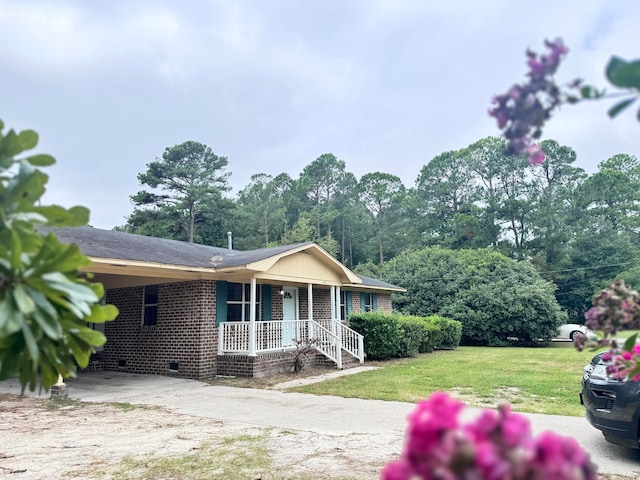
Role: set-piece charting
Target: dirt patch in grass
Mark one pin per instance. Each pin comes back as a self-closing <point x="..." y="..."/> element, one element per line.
<point x="45" y="439"/>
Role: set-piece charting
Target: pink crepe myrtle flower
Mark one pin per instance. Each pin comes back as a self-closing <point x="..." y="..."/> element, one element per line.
<point x="494" y="446"/>
<point x="522" y="111"/>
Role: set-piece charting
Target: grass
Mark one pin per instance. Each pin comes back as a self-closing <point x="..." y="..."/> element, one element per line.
<point x="238" y="457"/>
<point x="537" y="380"/>
<point x="62" y="403"/>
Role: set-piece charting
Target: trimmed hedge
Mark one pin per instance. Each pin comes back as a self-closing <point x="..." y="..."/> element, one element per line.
<point x="381" y="334"/>
<point x="451" y="331"/>
<point x="393" y="335"/>
<point x="412" y="335"/>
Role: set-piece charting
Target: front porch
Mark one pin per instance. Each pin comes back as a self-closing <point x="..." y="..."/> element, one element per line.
<point x="332" y="338"/>
<point x="277" y="338"/>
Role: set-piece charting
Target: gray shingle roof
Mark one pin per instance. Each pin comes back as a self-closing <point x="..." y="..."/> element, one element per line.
<point x="99" y="243"/>
<point x="373" y="282"/>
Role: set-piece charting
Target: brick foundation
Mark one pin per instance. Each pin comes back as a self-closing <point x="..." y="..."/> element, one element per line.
<point x="266" y="364"/>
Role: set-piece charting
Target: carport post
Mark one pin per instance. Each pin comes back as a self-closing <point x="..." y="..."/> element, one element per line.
<point x="60" y="389"/>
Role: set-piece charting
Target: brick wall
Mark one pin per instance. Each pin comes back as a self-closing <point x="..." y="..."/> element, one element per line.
<point x="185" y="332"/>
<point x="384" y="302"/>
<point x="267" y="364"/>
<point x="321" y="303"/>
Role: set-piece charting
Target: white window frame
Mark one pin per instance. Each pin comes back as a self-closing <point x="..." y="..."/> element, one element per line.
<point x="368" y="304"/>
<point x="245" y="302"/>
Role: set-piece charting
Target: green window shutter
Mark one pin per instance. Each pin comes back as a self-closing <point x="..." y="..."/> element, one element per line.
<point x="266" y="303"/>
<point x="221" y="302"/>
<point x="363" y="301"/>
<point x="349" y="303"/>
<point x="374" y="299"/>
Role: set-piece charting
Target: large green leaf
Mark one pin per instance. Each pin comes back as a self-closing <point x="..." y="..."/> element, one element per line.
<point x="28" y="139"/>
<point x="24" y="302"/>
<point x="10" y="317"/>
<point x="41" y="160"/>
<point x="27" y="187"/>
<point x="46" y="315"/>
<point x="620" y="106"/>
<point x="80" y="350"/>
<point x="102" y="313"/>
<point x="30" y="341"/>
<point x="92" y="337"/>
<point x="10" y="145"/>
<point x="630" y="342"/>
<point x="16" y="252"/>
<point x="57" y="257"/>
<point x="624" y="74"/>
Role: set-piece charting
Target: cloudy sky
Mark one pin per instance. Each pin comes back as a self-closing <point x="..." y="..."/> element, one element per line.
<point x="385" y="85"/>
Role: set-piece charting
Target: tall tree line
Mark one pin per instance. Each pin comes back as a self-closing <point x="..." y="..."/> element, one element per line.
<point x="579" y="230"/>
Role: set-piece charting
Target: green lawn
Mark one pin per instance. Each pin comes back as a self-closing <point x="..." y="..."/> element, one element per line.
<point x="539" y="380"/>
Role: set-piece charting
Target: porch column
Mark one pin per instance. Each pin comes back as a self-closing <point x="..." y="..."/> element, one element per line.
<point x="310" y="309"/>
<point x="332" y="291"/>
<point x="252" y="320"/>
<point x="336" y="324"/>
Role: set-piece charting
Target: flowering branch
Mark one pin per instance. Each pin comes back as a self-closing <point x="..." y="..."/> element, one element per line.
<point x="523" y="110"/>
<point x="614" y="310"/>
<point x="496" y="445"/>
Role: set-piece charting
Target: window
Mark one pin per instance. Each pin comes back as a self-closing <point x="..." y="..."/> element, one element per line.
<point x="150" y="305"/>
<point x="344" y="305"/>
<point x="239" y="302"/>
<point x="369" y="302"/>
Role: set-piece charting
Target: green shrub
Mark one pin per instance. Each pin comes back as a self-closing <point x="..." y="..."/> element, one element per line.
<point x="493" y="296"/>
<point x="381" y="334"/>
<point x="451" y="332"/>
<point x="432" y="336"/>
<point x="412" y="335"/>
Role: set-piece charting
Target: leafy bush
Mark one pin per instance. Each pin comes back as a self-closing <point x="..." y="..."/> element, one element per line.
<point x="44" y="303"/>
<point x="413" y="335"/>
<point x="431" y="334"/>
<point x="396" y="335"/>
<point x="381" y="334"/>
<point x="492" y="295"/>
<point x="451" y="331"/>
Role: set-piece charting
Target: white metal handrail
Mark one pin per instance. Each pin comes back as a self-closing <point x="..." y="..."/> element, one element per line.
<point x="352" y="342"/>
<point x="281" y="335"/>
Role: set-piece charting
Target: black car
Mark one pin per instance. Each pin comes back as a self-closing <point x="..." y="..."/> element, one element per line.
<point x="612" y="406"/>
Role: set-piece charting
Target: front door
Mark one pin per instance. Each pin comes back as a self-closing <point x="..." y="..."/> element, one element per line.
<point x="289" y="315"/>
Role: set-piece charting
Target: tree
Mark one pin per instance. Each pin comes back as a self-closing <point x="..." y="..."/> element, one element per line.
<point x="320" y="182"/>
<point x="446" y="188"/>
<point x="262" y="209"/>
<point x="613" y="193"/>
<point x="189" y="176"/>
<point x="554" y="190"/>
<point x="44" y="303"/>
<point x="493" y="296"/>
<point x="380" y="192"/>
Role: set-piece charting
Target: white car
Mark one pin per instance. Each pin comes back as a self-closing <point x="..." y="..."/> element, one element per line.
<point x="569" y="331"/>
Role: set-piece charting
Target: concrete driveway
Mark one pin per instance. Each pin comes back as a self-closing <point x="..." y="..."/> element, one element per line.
<point x="297" y="411"/>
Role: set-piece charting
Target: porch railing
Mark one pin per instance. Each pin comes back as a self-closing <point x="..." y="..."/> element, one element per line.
<point x="332" y="337"/>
